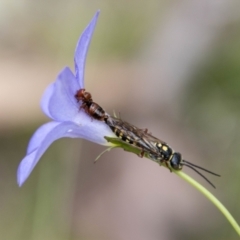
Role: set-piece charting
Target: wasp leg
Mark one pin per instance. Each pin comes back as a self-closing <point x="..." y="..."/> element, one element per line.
<point x="141" y="154"/>
<point x="146" y="131"/>
<point x="166" y="164"/>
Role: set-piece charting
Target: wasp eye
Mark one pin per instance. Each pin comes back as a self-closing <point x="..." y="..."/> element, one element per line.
<point x="176" y="161"/>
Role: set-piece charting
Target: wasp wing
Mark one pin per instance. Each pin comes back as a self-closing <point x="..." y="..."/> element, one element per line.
<point x="136" y="136"/>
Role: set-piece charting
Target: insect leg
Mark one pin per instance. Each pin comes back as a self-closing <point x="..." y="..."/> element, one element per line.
<point x="141" y="154"/>
<point x="166" y="163"/>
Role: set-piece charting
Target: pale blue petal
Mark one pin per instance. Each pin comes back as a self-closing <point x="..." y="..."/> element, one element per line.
<point x="40" y="135"/>
<point x="25" y="167"/>
<point x="82" y="49"/>
<point x="45" y="99"/>
<point x="63" y="105"/>
<point x="91" y="130"/>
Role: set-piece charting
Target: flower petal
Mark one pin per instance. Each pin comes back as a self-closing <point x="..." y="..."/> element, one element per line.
<point x="82" y="48"/>
<point x="39" y="135"/>
<point x="25" y="167"/>
<point x="45" y="99"/>
<point x="29" y="161"/>
<point x="93" y="131"/>
<point x="63" y="105"/>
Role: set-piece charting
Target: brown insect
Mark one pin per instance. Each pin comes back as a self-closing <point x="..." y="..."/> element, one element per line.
<point x="90" y="107"/>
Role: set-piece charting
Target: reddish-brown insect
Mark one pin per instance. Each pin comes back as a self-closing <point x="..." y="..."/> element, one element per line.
<point x="90" y="107"/>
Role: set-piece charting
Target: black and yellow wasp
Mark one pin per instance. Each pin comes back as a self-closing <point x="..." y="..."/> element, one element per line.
<point x="156" y="149"/>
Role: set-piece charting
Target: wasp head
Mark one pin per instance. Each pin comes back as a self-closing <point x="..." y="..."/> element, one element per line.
<point x="176" y="161"/>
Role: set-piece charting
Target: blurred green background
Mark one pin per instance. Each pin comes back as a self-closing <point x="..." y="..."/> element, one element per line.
<point x="170" y="66"/>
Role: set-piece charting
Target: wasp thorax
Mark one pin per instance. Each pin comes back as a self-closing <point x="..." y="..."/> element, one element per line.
<point x="176" y="161"/>
<point x="165" y="151"/>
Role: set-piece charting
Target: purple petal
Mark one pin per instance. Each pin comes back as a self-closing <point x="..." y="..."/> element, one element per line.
<point x="63" y="105"/>
<point x="29" y="161"/>
<point x="45" y="99"/>
<point x="82" y="48"/>
<point x="40" y="135"/>
<point x="25" y="167"/>
<point x="91" y="130"/>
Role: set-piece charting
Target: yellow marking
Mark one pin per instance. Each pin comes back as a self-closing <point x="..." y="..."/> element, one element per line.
<point x="158" y="145"/>
<point x="165" y="148"/>
<point x="127" y="140"/>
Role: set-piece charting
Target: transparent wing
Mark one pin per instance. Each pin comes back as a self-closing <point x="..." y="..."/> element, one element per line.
<point x="140" y="137"/>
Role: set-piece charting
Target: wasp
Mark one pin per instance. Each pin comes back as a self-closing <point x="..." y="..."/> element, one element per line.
<point x="128" y="133"/>
<point x="156" y="149"/>
<point x="91" y="108"/>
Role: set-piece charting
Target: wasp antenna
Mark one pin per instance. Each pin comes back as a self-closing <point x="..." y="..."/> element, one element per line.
<point x="196" y="166"/>
<point x="199" y="174"/>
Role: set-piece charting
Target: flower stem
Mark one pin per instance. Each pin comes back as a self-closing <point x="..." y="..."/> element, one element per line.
<point x="127" y="147"/>
<point x="212" y="198"/>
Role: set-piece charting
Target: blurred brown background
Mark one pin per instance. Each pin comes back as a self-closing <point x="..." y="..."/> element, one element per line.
<point x="170" y="66"/>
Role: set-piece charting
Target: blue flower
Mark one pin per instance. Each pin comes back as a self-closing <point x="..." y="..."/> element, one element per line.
<point x="59" y="104"/>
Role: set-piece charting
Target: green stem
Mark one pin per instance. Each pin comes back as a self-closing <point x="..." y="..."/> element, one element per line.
<point x="119" y="143"/>
<point x="212" y="198"/>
